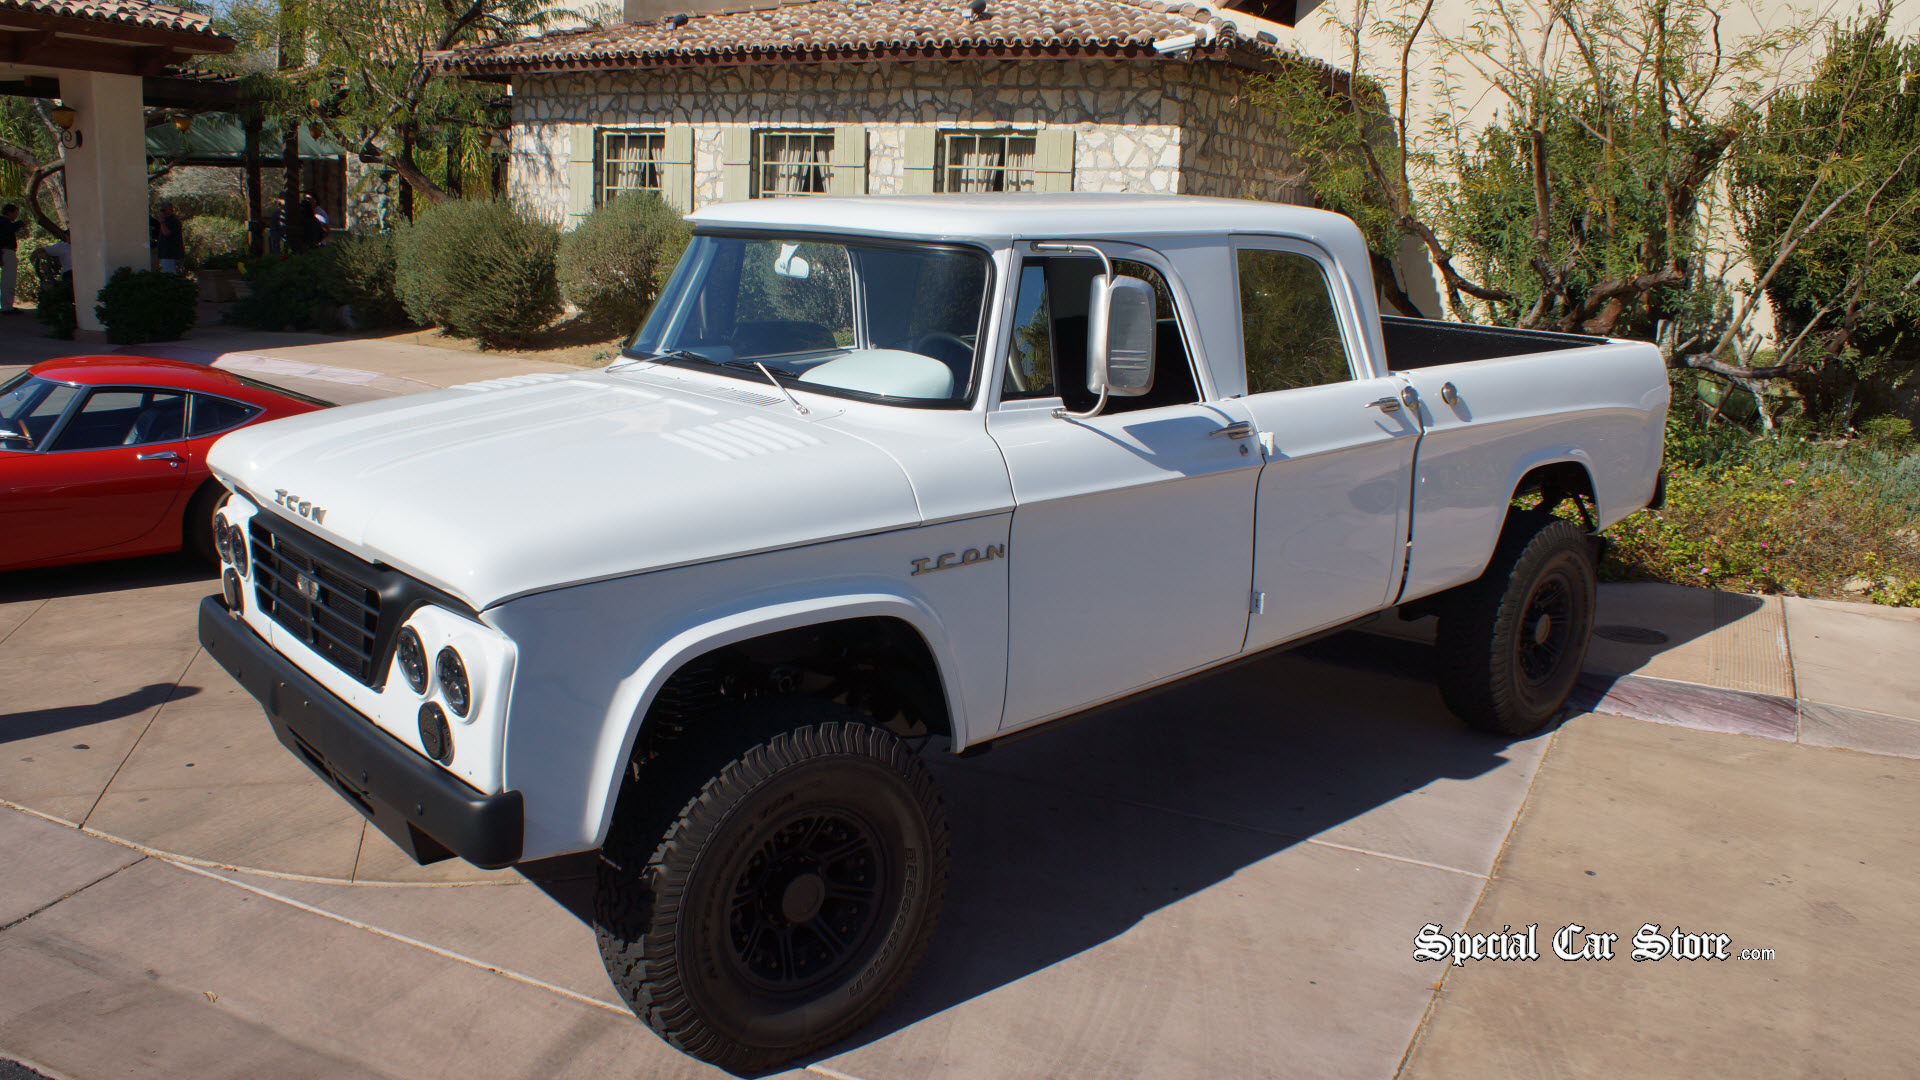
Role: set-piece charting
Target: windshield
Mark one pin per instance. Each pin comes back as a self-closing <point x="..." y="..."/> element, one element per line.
<point x="30" y="406"/>
<point x="875" y="321"/>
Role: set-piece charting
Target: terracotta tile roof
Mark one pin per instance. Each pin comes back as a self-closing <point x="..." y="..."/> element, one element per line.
<point x="885" y="29"/>
<point x="143" y="13"/>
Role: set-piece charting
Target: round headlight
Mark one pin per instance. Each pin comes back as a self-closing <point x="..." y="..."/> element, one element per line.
<point x="220" y="542"/>
<point x="230" y="587"/>
<point x="453" y="681"/>
<point x="237" y="548"/>
<point x="436" y="738"/>
<point x="412" y="659"/>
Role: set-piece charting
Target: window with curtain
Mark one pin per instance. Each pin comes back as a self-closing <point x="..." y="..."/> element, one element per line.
<point x="630" y="161"/>
<point x="992" y="162"/>
<point x="793" y="163"/>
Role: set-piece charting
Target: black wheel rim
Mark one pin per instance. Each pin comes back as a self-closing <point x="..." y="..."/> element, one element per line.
<point x="806" y="903"/>
<point x="1546" y="633"/>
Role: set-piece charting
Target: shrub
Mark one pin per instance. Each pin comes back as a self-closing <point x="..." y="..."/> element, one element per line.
<point x="480" y="270"/>
<point x="210" y="237"/>
<point x="287" y="293"/>
<point x="361" y="275"/>
<point x="1888" y="432"/>
<point x="614" y="263"/>
<point x="55" y="309"/>
<point x="310" y="290"/>
<point x="146" y="305"/>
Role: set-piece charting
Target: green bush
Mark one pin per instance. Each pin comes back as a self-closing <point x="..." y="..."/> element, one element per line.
<point x="313" y="289"/>
<point x="361" y="275"/>
<point x="481" y="270"/>
<point x="285" y="293"/>
<point x="1888" y="432"/>
<point x="614" y="263"/>
<point x="55" y="309"/>
<point x="210" y="237"/>
<point x="146" y="305"/>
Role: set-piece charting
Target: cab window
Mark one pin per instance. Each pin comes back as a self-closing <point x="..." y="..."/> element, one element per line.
<point x="216" y="414"/>
<point x="32" y="406"/>
<point x="1048" y="354"/>
<point x="1292" y="334"/>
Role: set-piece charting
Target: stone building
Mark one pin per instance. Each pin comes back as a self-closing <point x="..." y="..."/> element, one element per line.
<point x="885" y="96"/>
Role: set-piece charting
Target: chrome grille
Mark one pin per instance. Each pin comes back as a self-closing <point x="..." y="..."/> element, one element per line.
<point x="317" y="592"/>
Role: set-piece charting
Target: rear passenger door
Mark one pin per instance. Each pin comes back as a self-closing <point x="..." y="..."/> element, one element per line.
<point x="1331" y="515"/>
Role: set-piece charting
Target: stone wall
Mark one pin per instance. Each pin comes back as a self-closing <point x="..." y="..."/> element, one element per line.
<point x="1140" y="125"/>
<point x="1232" y="148"/>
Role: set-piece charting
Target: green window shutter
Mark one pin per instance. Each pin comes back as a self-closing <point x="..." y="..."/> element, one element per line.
<point x="849" y="160"/>
<point x="736" y="163"/>
<point x="676" y="160"/>
<point x="581" y="175"/>
<point x="922" y="151"/>
<point x="1053" y="160"/>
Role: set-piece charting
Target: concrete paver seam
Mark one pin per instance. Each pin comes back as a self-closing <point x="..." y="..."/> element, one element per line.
<point x="403" y="939"/>
<point x="16" y="629"/>
<point x="68" y="896"/>
<point x="139" y="739"/>
<point x="44" y="816"/>
<point x="281" y="875"/>
<point x="1439" y="984"/>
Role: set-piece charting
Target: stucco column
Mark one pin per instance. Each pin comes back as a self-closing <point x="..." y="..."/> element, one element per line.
<point x="106" y="183"/>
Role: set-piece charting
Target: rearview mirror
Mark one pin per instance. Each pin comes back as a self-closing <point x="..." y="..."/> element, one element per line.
<point x="791" y="264"/>
<point x="1120" y="337"/>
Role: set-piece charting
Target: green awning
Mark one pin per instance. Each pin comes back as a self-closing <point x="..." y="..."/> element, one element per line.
<point x="219" y="139"/>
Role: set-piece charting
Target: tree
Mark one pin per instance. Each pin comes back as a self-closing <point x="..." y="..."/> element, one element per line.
<point x="1844" y="149"/>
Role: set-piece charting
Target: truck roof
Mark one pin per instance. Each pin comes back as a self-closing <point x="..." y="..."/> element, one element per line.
<point x="1026" y="216"/>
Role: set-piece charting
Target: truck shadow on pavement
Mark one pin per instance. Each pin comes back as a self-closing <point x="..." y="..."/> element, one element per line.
<point x="1068" y="838"/>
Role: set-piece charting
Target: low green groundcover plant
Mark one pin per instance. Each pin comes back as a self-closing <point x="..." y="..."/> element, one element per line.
<point x="1792" y="513"/>
<point x="147" y="305"/>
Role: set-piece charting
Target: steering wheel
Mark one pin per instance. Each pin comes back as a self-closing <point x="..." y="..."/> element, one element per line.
<point x="948" y="348"/>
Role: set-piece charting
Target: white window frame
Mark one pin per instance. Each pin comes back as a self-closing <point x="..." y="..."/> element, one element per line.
<point x="946" y="172"/>
<point x="603" y="191"/>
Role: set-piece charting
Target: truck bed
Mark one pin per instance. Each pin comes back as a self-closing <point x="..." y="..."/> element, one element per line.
<point x="1421" y="343"/>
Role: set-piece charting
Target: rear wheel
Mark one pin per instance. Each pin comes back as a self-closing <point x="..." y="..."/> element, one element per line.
<point x="196" y="528"/>
<point x="1511" y="644"/>
<point x="788" y="899"/>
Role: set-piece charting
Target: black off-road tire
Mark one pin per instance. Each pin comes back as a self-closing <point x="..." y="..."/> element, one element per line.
<point x="1511" y="643"/>
<point x="781" y="904"/>
<point x="196" y="525"/>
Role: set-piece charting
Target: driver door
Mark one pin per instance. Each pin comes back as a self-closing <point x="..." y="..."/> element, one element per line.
<point x="110" y="475"/>
<point x="1132" y="538"/>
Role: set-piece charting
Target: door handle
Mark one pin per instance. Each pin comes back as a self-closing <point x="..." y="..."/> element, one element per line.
<point x="1241" y="430"/>
<point x="1385" y="404"/>
<point x="158" y="455"/>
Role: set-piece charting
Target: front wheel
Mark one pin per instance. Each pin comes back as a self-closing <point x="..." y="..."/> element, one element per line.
<point x="789" y="898"/>
<point x="1511" y="644"/>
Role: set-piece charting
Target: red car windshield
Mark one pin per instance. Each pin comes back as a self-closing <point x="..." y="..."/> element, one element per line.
<point x="30" y="406"/>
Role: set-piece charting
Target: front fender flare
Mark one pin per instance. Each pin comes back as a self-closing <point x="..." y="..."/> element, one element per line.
<point x="634" y="694"/>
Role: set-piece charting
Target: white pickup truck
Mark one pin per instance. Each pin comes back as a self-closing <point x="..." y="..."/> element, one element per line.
<point x="882" y="471"/>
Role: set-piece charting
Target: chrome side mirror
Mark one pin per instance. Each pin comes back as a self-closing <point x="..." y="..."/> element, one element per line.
<point x="10" y="433"/>
<point x="1121" y="334"/>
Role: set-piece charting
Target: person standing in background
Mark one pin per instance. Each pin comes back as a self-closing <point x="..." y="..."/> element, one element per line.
<point x="11" y="228"/>
<point x="172" y="248"/>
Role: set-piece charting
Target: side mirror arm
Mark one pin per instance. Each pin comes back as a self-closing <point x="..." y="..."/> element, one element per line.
<point x="1107" y="265"/>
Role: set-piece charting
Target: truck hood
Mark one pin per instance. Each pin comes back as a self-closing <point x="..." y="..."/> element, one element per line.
<point x="497" y="489"/>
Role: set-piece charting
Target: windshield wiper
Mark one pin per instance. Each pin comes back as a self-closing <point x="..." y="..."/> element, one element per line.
<point x="675" y="354"/>
<point x="749" y="365"/>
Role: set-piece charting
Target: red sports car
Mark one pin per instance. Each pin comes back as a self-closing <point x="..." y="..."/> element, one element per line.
<point x="104" y="457"/>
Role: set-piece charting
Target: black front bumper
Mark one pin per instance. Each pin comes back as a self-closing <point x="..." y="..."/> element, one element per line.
<point x="429" y="812"/>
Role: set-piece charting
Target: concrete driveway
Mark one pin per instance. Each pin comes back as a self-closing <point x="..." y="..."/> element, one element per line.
<point x="1223" y="880"/>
